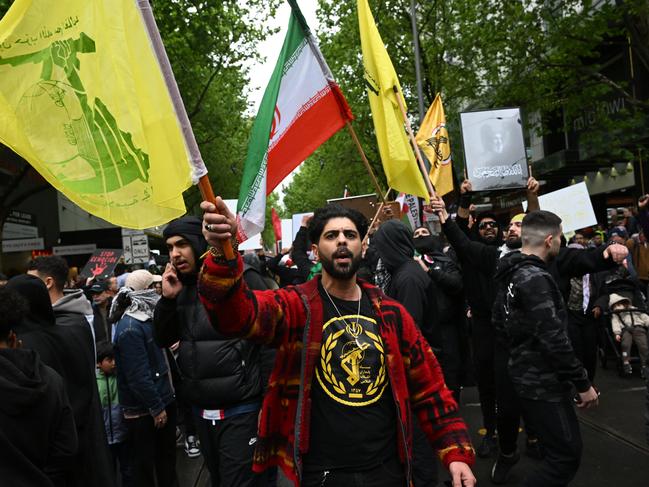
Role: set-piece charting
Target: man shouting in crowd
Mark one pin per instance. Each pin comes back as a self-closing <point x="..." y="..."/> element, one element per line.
<point x="352" y="369"/>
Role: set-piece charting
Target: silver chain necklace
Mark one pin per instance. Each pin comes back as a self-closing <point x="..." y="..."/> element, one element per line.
<point x="358" y="313"/>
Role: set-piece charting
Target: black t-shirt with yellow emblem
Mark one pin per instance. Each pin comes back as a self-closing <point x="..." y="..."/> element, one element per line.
<point x="353" y="417"/>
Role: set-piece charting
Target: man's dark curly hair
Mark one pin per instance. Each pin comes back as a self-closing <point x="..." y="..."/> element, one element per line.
<point x="51" y="266"/>
<point x="326" y="213"/>
<point x="13" y="308"/>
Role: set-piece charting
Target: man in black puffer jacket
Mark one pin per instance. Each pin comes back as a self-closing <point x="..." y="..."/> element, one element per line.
<point x="221" y="378"/>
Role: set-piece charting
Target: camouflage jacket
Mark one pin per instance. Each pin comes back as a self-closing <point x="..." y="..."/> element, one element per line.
<point x="531" y="320"/>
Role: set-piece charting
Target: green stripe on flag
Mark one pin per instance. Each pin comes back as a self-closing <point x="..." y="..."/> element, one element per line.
<point x="255" y="165"/>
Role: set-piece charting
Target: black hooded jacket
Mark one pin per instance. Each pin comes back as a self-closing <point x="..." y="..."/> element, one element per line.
<point x="217" y="373"/>
<point x="531" y="320"/>
<point x="409" y="284"/>
<point x="446" y="276"/>
<point x="38" y="439"/>
<point x="69" y="351"/>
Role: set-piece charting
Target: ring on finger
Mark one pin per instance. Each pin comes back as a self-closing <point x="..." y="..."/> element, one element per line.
<point x="208" y="227"/>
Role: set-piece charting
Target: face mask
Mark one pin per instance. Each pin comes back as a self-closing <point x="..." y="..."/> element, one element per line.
<point x="427" y="244"/>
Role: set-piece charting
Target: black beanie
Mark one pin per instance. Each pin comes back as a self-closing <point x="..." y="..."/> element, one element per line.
<point x="190" y="228"/>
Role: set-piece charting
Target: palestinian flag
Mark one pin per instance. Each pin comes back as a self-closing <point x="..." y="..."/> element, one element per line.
<point x="302" y="107"/>
<point x="410" y="209"/>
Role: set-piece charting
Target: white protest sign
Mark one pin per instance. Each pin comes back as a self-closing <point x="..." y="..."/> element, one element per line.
<point x="297" y="223"/>
<point x="287" y="228"/>
<point x="572" y="205"/>
<point x="254" y="242"/>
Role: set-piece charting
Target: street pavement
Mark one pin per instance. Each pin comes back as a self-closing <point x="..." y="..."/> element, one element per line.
<point x="614" y="435"/>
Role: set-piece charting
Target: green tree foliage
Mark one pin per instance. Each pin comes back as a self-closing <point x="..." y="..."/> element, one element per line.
<point x="210" y="46"/>
<point x="559" y="60"/>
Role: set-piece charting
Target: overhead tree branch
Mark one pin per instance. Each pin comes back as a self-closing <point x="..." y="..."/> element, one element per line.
<point x="197" y="106"/>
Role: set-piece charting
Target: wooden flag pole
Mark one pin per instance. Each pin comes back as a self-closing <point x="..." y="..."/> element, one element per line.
<point x="359" y="147"/>
<point x="208" y="195"/>
<point x="200" y="170"/>
<point x="420" y="159"/>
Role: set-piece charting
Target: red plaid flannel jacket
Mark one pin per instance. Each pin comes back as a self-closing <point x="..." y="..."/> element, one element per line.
<point x="291" y="320"/>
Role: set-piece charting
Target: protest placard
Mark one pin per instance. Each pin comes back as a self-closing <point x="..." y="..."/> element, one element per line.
<point x="101" y="263"/>
<point x="494" y="149"/>
<point x="572" y="205"/>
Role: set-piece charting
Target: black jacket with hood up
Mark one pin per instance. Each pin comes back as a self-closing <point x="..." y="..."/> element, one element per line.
<point x="38" y="439"/>
<point x="531" y="320"/>
<point x="409" y="283"/>
<point x="217" y="373"/>
<point x="443" y="270"/>
<point x="69" y="351"/>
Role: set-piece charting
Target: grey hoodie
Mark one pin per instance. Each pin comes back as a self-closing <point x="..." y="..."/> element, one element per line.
<point x="74" y="303"/>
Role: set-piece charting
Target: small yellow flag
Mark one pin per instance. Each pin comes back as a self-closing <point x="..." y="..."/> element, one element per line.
<point x="83" y="100"/>
<point x="432" y="139"/>
<point x="396" y="153"/>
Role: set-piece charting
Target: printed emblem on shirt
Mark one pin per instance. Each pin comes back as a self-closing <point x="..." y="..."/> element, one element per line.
<point x="351" y="369"/>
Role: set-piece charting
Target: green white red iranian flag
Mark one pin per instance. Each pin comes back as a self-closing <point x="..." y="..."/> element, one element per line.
<point x="302" y="107"/>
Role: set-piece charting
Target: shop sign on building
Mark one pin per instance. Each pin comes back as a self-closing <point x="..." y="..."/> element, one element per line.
<point x="19" y="225"/>
<point x="22" y="245"/>
<point x="74" y="249"/>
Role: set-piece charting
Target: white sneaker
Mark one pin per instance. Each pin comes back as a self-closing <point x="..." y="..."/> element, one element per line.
<point x="192" y="447"/>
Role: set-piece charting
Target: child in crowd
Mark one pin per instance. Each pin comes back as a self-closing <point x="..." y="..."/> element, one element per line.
<point x="116" y="430"/>
<point x="629" y="326"/>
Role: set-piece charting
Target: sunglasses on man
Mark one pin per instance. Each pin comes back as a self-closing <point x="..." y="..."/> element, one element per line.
<point x="484" y="225"/>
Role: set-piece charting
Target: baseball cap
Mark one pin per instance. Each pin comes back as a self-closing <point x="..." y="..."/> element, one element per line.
<point x="517" y="218"/>
<point x="619" y="232"/>
<point x="98" y="287"/>
<point x="141" y="279"/>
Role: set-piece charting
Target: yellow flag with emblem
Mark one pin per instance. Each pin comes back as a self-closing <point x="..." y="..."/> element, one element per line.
<point x="397" y="157"/>
<point x="84" y="101"/>
<point x="433" y="141"/>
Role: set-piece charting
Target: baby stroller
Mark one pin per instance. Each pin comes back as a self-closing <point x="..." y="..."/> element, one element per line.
<point x="632" y="290"/>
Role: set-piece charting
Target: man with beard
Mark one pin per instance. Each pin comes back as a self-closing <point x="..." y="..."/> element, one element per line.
<point x="485" y="228"/>
<point x="569" y="263"/>
<point x="221" y="377"/>
<point x="351" y="365"/>
<point x="531" y="317"/>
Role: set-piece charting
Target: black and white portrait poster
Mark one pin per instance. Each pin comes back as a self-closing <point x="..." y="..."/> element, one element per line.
<point x="494" y="149"/>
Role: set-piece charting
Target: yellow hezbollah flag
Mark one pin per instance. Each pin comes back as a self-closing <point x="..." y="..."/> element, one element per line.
<point x="396" y="153"/>
<point x="432" y="139"/>
<point x="83" y="100"/>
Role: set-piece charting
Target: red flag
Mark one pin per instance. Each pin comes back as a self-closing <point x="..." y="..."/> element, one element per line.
<point x="277" y="225"/>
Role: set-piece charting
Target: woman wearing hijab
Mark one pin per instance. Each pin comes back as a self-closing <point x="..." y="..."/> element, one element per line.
<point x="144" y="383"/>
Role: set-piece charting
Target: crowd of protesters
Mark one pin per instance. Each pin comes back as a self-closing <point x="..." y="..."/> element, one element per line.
<point x="275" y="367"/>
